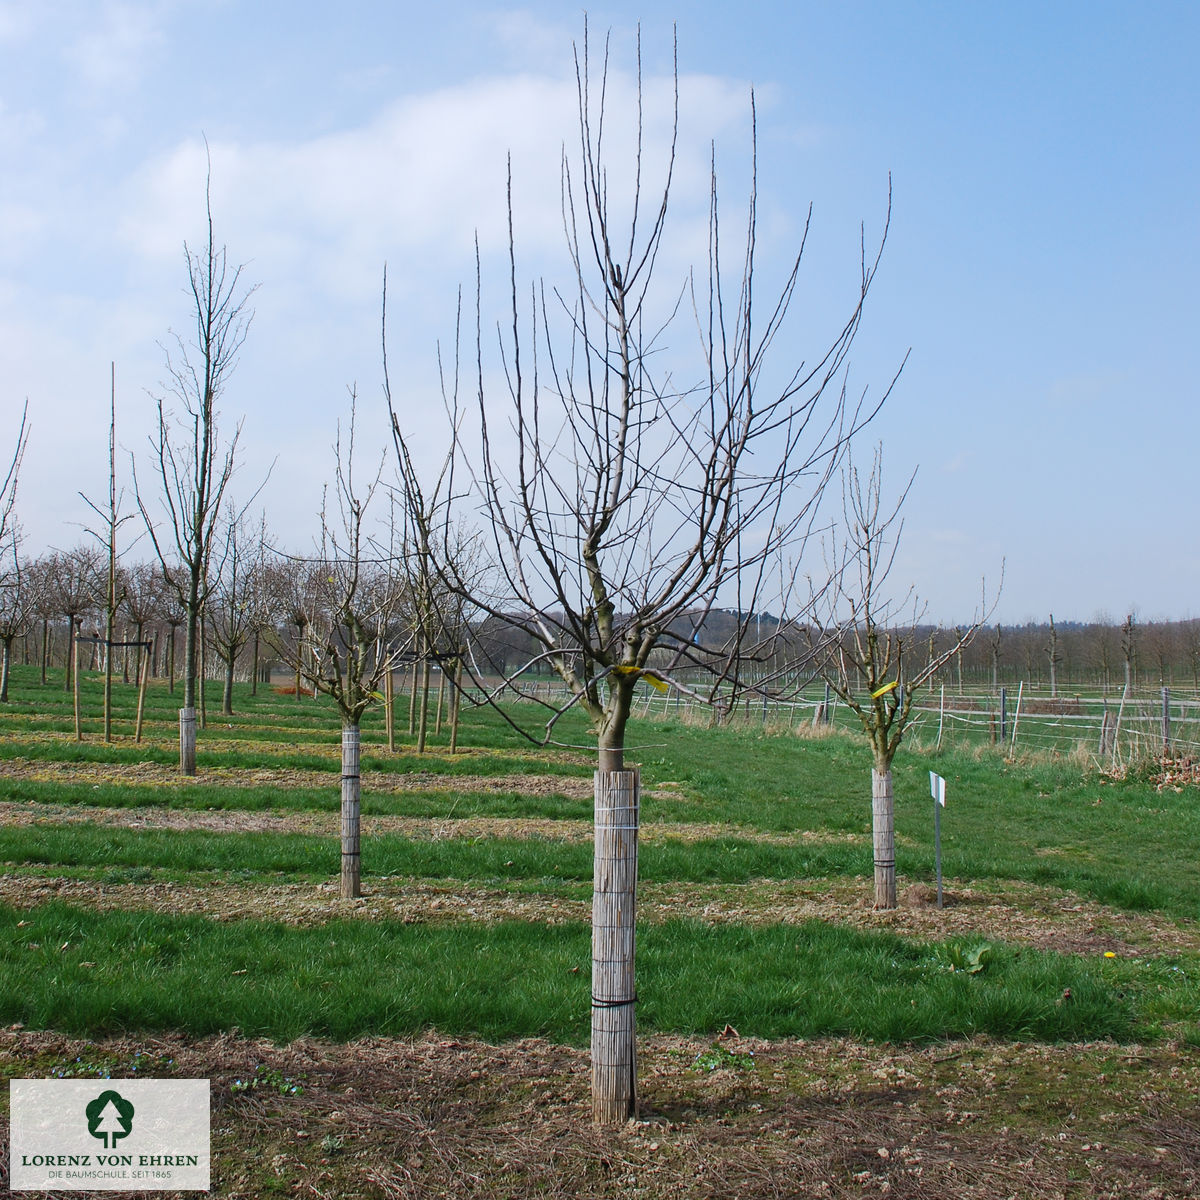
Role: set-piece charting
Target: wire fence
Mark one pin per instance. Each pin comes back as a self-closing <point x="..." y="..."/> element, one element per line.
<point x="1117" y="728"/>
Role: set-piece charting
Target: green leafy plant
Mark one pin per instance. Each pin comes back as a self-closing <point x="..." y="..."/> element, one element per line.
<point x="721" y="1057"/>
<point x="268" y="1079"/>
<point x="105" y="1065"/>
<point x="969" y="961"/>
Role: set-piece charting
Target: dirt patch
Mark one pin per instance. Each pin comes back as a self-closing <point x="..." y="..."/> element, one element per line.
<point x="150" y="774"/>
<point x="426" y="828"/>
<point x="433" y="1117"/>
<point x="1022" y="915"/>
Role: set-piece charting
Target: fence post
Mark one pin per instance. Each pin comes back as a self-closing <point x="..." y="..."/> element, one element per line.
<point x="1166" y="722"/>
<point x="1106" y="733"/>
<point x="828" y="715"/>
<point x="1017" y="715"/>
<point x="1117" y="727"/>
<point x="1004" y="714"/>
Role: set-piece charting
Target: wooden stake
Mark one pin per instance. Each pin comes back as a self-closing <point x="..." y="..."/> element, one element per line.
<point x="389" y="708"/>
<point x="78" y="727"/>
<point x="455" y="702"/>
<point x="614" y="905"/>
<point x="141" y="708"/>
<point x="1017" y="715"/>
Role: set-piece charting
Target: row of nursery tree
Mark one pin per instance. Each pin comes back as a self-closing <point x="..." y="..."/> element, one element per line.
<point x="263" y="600"/>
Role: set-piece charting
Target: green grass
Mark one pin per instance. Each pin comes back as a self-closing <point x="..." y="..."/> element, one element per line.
<point x="1047" y="822"/>
<point x="517" y="979"/>
<point x="199" y="797"/>
<point x="724" y="860"/>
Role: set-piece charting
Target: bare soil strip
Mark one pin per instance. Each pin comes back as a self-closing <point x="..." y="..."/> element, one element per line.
<point x="383" y="1119"/>
<point x="150" y="774"/>
<point x="1021" y="914"/>
<point x="427" y="828"/>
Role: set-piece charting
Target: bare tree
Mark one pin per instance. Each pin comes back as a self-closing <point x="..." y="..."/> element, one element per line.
<point x="1129" y="632"/>
<point x="12" y="474"/>
<point x="16" y="596"/>
<point x="234" y="608"/>
<point x="192" y="464"/>
<point x="348" y="640"/>
<point x="17" y="600"/>
<point x="143" y="589"/>
<point x="861" y="645"/>
<point x="73" y="580"/>
<point x="630" y="500"/>
<point x="1054" y="657"/>
<point x="110" y="514"/>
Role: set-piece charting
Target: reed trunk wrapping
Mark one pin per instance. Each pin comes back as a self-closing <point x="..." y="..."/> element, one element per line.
<point x="351" y="799"/>
<point x="187" y="741"/>
<point x="614" y="900"/>
<point x="883" y="827"/>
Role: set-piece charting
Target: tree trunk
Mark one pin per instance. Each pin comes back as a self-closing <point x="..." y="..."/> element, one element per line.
<point x="4" y="670"/>
<point x="108" y="671"/>
<point x="351" y="802"/>
<point x="254" y="670"/>
<point x="46" y="647"/>
<point x="72" y="665"/>
<point x="883" y="830"/>
<point x="614" y="903"/>
<point x="187" y="714"/>
<point x="227" y="692"/>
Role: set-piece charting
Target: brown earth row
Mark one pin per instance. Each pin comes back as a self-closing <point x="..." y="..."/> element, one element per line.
<point x="1020" y="914"/>
<point x="413" y="1119"/>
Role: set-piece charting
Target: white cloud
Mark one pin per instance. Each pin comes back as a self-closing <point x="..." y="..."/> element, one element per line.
<point x="112" y="55"/>
<point x="420" y="180"/>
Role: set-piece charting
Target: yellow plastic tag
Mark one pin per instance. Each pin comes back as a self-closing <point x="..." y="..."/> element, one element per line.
<point x="887" y="687"/>
<point x="653" y="680"/>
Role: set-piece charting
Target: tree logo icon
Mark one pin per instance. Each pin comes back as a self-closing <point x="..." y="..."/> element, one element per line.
<point x="109" y="1117"/>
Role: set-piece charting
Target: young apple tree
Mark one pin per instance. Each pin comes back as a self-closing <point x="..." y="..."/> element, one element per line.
<point x="630" y="472"/>
<point x="351" y="599"/>
<point x="192" y="462"/>
<point x="858" y="642"/>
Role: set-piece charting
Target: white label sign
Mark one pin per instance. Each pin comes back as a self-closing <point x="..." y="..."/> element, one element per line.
<point x="108" y="1135"/>
<point x="937" y="788"/>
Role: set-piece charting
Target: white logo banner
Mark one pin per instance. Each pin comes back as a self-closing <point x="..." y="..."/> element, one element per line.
<point x="109" y="1135"/>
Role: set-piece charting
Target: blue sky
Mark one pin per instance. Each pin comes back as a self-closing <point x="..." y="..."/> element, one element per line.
<point x="1042" y="261"/>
